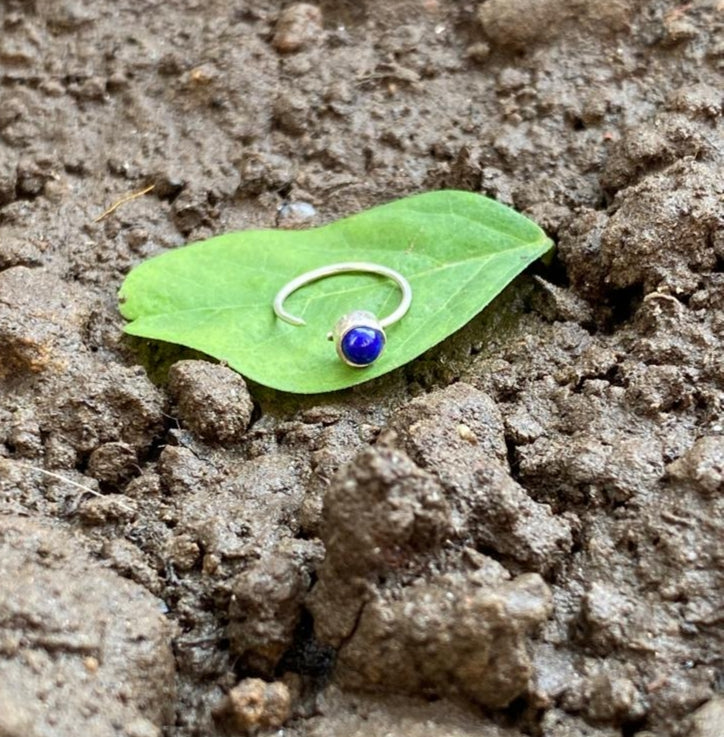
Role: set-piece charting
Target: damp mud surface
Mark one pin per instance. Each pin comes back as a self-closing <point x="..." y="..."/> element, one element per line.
<point x="519" y="534"/>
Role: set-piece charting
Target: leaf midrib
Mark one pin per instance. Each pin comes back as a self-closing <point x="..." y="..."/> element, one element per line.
<point x="437" y="269"/>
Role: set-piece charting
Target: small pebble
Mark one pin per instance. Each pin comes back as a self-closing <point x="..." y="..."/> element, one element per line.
<point x="202" y="75"/>
<point x="298" y="25"/>
<point x="254" y="704"/>
<point x="467" y="434"/>
<point x="478" y="52"/>
<point x="295" y="214"/>
<point x="183" y="551"/>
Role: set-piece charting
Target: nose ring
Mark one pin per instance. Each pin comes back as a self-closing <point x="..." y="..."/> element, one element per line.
<point x="359" y="336"/>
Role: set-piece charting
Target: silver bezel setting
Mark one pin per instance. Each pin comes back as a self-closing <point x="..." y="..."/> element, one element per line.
<point x="356" y="319"/>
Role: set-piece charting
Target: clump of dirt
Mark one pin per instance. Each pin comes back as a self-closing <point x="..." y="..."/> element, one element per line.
<point x="82" y="648"/>
<point x="520" y="24"/>
<point x="255" y="705"/>
<point x="518" y="533"/>
<point x="212" y="401"/>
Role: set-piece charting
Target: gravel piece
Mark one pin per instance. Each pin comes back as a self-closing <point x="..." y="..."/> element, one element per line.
<point x="255" y="705"/>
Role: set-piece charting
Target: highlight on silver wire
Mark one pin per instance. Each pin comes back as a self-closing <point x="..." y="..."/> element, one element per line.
<point x="359" y="336"/>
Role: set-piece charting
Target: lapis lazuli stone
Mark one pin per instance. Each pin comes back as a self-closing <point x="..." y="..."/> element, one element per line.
<point x="362" y="345"/>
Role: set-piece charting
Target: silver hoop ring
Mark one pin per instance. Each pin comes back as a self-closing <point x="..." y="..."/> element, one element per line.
<point x="358" y="336"/>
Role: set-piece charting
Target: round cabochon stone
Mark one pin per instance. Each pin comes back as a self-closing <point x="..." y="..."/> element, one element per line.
<point x="362" y="345"/>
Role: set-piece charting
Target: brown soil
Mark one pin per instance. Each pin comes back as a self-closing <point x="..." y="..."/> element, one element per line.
<point x="520" y="533"/>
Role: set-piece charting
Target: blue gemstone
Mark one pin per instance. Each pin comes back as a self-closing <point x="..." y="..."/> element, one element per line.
<point x="362" y="345"/>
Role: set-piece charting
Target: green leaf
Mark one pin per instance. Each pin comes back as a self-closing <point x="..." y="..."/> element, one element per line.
<point x="457" y="249"/>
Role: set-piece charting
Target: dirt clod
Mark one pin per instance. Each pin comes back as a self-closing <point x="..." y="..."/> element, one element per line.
<point x="612" y="698"/>
<point x="505" y="519"/>
<point x="183" y="551"/>
<point x="265" y="608"/>
<point x="76" y="610"/>
<point x="37" y="335"/>
<point x="212" y="400"/>
<point x="381" y="514"/>
<point x="683" y="206"/>
<point x="427" y="429"/>
<point x="702" y="466"/>
<point x="114" y="463"/>
<point x="707" y="721"/>
<point x="452" y="635"/>
<point x="521" y="23"/>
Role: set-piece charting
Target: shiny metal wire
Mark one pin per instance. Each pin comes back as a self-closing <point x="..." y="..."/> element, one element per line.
<point x="341" y="268"/>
